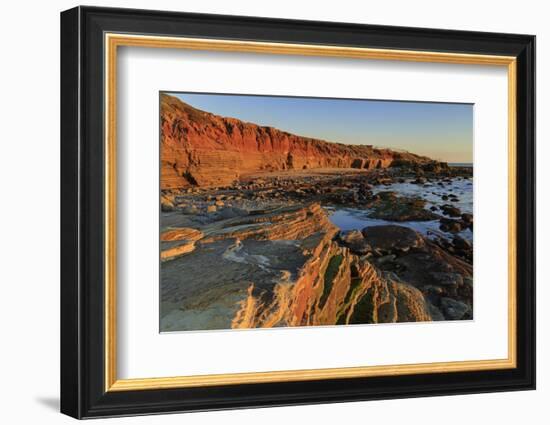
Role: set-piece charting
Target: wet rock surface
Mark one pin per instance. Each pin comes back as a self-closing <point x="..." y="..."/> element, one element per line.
<point x="388" y="206"/>
<point x="268" y="254"/>
<point x="241" y="279"/>
<point x="389" y="239"/>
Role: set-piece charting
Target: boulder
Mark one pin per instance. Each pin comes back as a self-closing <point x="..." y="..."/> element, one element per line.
<point x="355" y="241"/>
<point x="447" y="279"/>
<point x="392" y="238"/>
<point x="461" y="243"/>
<point x="419" y="180"/>
<point x="467" y="218"/>
<point x="450" y="210"/>
<point x="450" y="225"/>
<point x="455" y="310"/>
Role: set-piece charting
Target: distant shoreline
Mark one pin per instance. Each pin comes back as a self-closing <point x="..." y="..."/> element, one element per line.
<point x="460" y="164"/>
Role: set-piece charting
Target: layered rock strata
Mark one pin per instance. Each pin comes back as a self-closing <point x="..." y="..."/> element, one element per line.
<point x="202" y="149"/>
<point x="290" y="266"/>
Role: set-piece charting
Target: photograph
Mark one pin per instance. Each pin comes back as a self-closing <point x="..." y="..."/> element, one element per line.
<point x="283" y="211"/>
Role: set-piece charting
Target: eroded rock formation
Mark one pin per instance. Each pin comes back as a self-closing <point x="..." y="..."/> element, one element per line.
<point x="290" y="266"/>
<point x="202" y="149"/>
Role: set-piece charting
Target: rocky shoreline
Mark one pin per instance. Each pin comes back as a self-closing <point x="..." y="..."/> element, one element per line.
<point x="263" y="251"/>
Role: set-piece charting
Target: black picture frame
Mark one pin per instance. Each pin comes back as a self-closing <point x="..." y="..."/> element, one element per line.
<point x="83" y="392"/>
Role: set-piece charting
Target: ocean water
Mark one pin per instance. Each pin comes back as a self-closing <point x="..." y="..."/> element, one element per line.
<point x="356" y="219"/>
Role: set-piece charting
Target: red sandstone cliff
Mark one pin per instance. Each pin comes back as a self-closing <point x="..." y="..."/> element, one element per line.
<point x="200" y="148"/>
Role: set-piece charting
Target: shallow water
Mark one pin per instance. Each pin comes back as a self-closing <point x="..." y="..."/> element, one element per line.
<point x="356" y="219"/>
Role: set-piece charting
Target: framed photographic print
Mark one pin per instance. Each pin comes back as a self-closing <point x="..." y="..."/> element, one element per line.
<point x="261" y="212"/>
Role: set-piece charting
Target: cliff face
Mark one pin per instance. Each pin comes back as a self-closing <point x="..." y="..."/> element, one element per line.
<point x="199" y="148"/>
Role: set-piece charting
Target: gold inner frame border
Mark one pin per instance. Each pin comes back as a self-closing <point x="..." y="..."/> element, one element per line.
<point x="111" y="43"/>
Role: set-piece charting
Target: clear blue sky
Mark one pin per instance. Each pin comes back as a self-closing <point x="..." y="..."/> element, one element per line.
<point x="442" y="131"/>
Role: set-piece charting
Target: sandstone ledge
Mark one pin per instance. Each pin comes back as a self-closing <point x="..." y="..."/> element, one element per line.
<point x="286" y="266"/>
